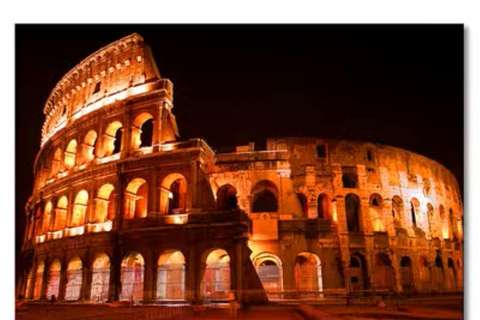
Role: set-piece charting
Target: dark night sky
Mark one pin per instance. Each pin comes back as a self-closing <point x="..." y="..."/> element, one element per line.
<point x="401" y="85"/>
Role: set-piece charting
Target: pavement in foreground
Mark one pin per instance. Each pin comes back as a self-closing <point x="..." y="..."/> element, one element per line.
<point x="445" y="308"/>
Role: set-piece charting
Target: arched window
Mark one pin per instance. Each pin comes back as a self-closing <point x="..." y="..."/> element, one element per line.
<point x="265" y="197"/>
<point x="216" y="280"/>
<point x="324" y="206"/>
<point x="173" y="194"/>
<point x="227" y="198"/>
<point x="136" y="199"/>
<point x="74" y="279"/>
<point x="89" y="146"/>
<point x="171" y="276"/>
<point x="302" y="199"/>
<point x="414" y="207"/>
<point x="406" y="275"/>
<point x="113" y="139"/>
<point x="142" y="136"/>
<point x="132" y="275"/>
<point x="358" y="272"/>
<point x="61" y="214"/>
<point x="424" y="272"/>
<point x="105" y="204"/>
<point x="47" y="217"/>
<point x="269" y="269"/>
<point x="100" y="278"/>
<point x="352" y="210"/>
<point x="56" y="161"/>
<point x="79" y="209"/>
<point x="384" y="273"/>
<point x="37" y="289"/>
<point x="308" y="272"/>
<point x="70" y="154"/>
<point x="376" y="212"/>
<point x="53" y="283"/>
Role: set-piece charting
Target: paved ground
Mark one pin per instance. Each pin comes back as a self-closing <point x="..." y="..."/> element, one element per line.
<point x="446" y="308"/>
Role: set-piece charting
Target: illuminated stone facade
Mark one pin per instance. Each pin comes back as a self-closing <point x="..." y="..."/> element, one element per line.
<point x="123" y="211"/>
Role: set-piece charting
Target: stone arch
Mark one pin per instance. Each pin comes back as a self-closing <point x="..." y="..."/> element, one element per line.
<point x="353" y="212"/>
<point x="325" y="206"/>
<point x="60" y="221"/>
<point x="100" y="278"/>
<point x="376" y="212"/>
<point x="171" y="276"/>
<point x="79" y="209"/>
<point x="302" y="199"/>
<point x="47" y="217"/>
<point x="37" y="286"/>
<point x="451" y="275"/>
<point x="406" y="275"/>
<point x="270" y="271"/>
<point x="132" y="276"/>
<point x="358" y="272"/>
<point x="173" y="194"/>
<point x="216" y="279"/>
<point x="308" y="273"/>
<point x="438" y="274"/>
<point x="139" y="133"/>
<point x="56" y="162"/>
<point x="397" y="211"/>
<point x="384" y="273"/>
<point x="113" y="138"/>
<point x="227" y="197"/>
<point x="424" y="273"/>
<point x="88" y="148"/>
<point x="70" y="154"/>
<point x="53" y="283"/>
<point x="105" y="204"/>
<point x="136" y="199"/>
<point x="74" y="279"/>
<point x="414" y="211"/>
<point x="265" y="197"/>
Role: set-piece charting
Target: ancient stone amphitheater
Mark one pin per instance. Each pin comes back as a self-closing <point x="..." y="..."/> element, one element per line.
<point x="121" y="210"/>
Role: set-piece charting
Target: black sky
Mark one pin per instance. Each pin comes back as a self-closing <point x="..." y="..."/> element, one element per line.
<point x="401" y="85"/>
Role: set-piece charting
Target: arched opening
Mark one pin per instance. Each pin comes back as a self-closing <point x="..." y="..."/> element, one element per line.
<point x="136" y="199"/>
<point x="414" y="206"/>
<point x="302" y="199"/>
<point x="406" y="275"/>
<point x="173" y="197"/>
<point x="269" y="269"/>
<point x="105" y="204"/>
<point x="89" y="146"/>
<point x="227" y="198"/>
<point x="324" y="206"/>
<point x="444" y="223"/>
<point x="358" y="272"/>
<point x="397" y="211"/>
<point x="132" y="275"/>
<point x="37" y="288"/>
<point x="61" y="214"/>
<point x="70" y="154"/>
<point x="453" y="225"/>
<point x="424" y="272"/>
<point x="53" y="283"/>
<point x="384" y="273"/>
<point x="79" y="209"/>
<point x="216" y="280"/>
<point x="376" y="212"/>
<point x="308" y="274"/>
<point x="142" y="131"/>
<point x="100" y="278"/>
<point x="171" y="276"/>
<point x="437" y="275"/>
<point x="74" y="279"/>
<point x="56" y="161"/>
<point x="113" y="138"/>
<point x="265" y="197"/>
<point x="352" y="210"/>
<point x="451" y="275"/>
<point x="47" y="216"/>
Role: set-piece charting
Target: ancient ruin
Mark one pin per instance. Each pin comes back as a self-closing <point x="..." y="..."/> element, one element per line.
<point x="123" y="211"/>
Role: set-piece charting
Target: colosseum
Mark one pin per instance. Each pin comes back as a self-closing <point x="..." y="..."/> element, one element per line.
<point x="122" y="210"/>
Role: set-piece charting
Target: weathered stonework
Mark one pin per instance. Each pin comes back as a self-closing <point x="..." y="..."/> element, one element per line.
<point x="121" y="211"/>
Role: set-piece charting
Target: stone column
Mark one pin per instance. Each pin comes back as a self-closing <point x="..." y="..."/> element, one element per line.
<point x="149" y="280"/>
<point x="43" y="290"/>
<point x="63" y="281"/>
<point x="388" y="218"/>
<point x="397" y="273"/>
<point x="29" y="294"/>
<point x="115" y="285"/>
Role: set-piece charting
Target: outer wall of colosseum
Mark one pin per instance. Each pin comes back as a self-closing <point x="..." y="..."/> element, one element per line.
<point x="121" y="210"/>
